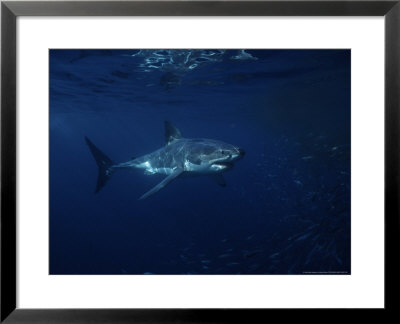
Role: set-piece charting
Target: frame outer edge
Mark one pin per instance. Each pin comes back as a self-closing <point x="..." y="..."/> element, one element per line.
<point x="203" y="8"/>
<point x="392" y="154"/>
<point x="8" y="163"/>
<point x="8" y="159"/>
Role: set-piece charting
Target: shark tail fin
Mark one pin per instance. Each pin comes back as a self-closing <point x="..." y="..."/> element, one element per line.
<point x="103" y="162"/>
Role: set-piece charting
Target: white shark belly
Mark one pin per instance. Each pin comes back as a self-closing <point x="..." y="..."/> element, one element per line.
<point x="150" y="169"/>
<point x="166" y="171"/>
<point x="193" y="169"/>
<point x="197" y="169"/>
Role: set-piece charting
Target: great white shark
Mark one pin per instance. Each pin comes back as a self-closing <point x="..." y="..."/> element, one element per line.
<point x="180" y="157"/>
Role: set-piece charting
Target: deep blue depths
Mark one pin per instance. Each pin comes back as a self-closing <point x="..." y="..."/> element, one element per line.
<point x="286" y="209"/>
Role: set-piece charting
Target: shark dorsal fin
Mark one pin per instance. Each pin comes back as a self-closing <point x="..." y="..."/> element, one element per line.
<point x="171" y="133"/>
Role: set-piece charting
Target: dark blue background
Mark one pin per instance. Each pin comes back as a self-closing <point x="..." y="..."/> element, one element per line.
<point x="286" y="209"/>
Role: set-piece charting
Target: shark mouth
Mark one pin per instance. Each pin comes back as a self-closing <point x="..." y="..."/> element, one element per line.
<point x="228" y="165"/>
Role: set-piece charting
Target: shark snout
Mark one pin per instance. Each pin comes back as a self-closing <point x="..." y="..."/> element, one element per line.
<point x="237" y="155"/>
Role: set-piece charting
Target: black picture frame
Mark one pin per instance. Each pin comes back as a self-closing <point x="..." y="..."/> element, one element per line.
<point x="10" y="10"/>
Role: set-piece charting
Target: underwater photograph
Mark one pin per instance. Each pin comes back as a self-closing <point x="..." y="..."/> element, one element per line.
<point x="199" y="161"/>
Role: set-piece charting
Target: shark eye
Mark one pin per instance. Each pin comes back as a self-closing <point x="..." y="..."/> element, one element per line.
<point x="223" y="152"/>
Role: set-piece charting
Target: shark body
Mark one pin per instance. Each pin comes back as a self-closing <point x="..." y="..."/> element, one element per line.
<point x="180" y="157"/>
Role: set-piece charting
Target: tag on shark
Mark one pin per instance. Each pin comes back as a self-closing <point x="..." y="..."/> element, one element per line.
<point x="180" y="157"/>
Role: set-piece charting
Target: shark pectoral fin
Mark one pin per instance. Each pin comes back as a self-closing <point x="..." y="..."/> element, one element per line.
<point x="218" y="179"/>
<point x="162" y="184"/>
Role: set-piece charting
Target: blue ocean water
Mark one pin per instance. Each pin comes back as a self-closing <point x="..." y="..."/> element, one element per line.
<point x="286" y="206"/>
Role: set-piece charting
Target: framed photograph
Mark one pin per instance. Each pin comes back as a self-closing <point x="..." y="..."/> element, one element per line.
<point x="157" y="167"/>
